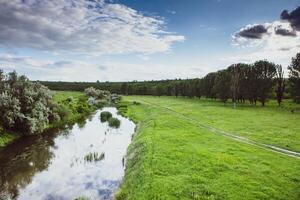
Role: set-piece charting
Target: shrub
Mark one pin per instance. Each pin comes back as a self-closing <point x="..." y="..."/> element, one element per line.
<point x="63" y="111"/>
<point x="97" y="94"/>
<point x="25" y="106"/>
<point x="105" y="116"/>
<point x="136" y="103"/>
<point x="114" y="122"/>
<point x="101" y="103"/>
<point x="115" y="98"/>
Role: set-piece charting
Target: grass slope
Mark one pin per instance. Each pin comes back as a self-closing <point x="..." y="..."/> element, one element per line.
<point x="172" y="158"/>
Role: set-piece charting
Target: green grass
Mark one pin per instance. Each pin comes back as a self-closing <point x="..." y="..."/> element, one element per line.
<point x="171" y="157"/>
<point x="269" y="125"/>
<point x="6" y="138"/>
<point x="60" y="96"/>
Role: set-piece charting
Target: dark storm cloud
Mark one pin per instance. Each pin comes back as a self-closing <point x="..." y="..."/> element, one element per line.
<point x="293" y="17"/>
<point x="285" y="32"/>
<point x="252" y="31"/>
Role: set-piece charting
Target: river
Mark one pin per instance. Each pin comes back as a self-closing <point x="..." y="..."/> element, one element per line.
<point x="81" y="160"/>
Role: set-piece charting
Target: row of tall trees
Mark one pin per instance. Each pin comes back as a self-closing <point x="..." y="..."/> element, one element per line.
<point x="255" y="82"/>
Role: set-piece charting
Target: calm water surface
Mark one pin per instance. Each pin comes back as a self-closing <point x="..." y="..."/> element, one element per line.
<point x="85" y="159"/>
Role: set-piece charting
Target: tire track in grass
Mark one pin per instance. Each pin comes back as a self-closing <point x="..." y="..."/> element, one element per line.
<point x="228" y="134"/>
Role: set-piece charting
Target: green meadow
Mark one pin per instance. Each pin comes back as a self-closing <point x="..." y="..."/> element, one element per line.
<point x="172" y="157"/>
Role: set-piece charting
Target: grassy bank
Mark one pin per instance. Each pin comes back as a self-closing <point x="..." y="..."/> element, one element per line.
<point x="74" y="108"/>
<point x="173" y="158"/>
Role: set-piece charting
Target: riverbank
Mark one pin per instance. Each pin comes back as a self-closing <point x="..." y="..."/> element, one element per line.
<point x="173" y="157"/>
<point x="72" y="109"/>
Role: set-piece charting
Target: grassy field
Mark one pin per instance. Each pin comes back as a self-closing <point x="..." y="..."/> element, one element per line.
<point x="171" y="157"/>
<point x="269" y="125"/>
<point x="60" y="96"/>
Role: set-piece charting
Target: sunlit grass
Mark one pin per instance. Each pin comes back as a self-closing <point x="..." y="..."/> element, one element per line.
<point x="172" y="158"/>
<point x="279" y="126"/>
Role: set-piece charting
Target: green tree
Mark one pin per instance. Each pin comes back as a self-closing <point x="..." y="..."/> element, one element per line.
<point x="222" y="85"/>
<point x="265" y="73"/>
<point x="294" y="78"/>
<point x="124" y="88"/>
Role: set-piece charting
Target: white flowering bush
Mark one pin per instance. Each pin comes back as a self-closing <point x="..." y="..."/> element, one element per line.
<point x="97" y="94"/>
<point x="25" y="106"/>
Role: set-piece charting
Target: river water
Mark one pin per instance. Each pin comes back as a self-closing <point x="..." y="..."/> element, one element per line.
<point x="81" y="160"/>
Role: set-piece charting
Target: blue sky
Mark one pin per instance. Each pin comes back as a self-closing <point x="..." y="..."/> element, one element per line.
<point x="123" y="40"/>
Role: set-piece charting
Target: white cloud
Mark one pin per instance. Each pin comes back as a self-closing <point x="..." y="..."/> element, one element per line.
<point x="271" y="46"/>
<point x="81" y="26"/>
<point x="77" y="70"/>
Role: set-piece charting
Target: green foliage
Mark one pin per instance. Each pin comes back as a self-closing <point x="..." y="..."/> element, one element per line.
<point x="6" y="138"/>
<point x="294" y="78"/>
<point x="114" y="122"/>
<point x="25" y="106"/>
<point x="114" y="98"/>
<point x="105" y="116"/>
<point x="74" y="109"/>
<point x="96" y="93"/>
<point x="63" y="111"/>
<point x="101" y="103"/>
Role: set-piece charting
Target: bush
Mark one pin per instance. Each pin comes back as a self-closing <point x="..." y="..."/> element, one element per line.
<point x="101" y="103"/>
<point x="105" y="116"/>
<point x="25" y="106"/>
<point x="114" y="122"/>
<point x="136" y="103"/>
<point x="97" y="94"/>
<point x="63" y="111"/>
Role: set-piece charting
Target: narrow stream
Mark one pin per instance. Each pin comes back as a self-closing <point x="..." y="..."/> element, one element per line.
<point x="85" y="159"/>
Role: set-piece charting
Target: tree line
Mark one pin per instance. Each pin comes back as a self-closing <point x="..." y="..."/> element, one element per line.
<point x="240" y="82"/>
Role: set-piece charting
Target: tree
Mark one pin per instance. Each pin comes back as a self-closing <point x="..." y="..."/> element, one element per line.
<point x="236" y="71"/>
<point x="159" y="90"/>
<point x="294" y="78"/>
<point x="124" y="88"/>
<point x="280" y="84"/>
<point x="222" y="85"/>
<point x="265" y="73"/>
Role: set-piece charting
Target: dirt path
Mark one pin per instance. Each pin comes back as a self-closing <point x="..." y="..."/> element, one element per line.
<point x="228" y="134"/>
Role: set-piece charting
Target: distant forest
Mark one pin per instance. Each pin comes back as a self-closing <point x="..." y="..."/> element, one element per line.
<point x="255" y="82"/>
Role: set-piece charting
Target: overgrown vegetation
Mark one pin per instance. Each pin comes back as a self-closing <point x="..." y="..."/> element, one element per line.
<point x="29" y="108"/>
<point x="105" y="116"/>
<point x="172" y="157"/>
<point x="114" y="122"/>
<point x="25" y="107"/>
<point x="72" y="106"/>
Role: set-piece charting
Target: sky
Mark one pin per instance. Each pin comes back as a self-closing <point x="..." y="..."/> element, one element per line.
<point x="126" y="40"/>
